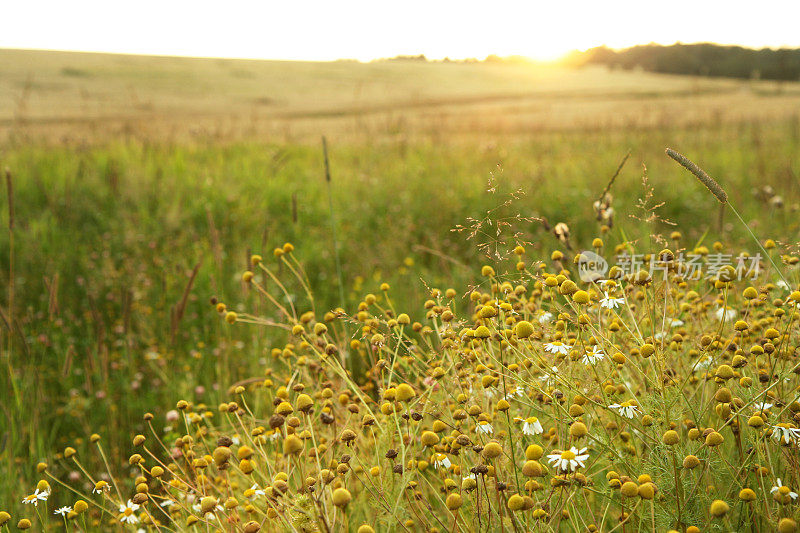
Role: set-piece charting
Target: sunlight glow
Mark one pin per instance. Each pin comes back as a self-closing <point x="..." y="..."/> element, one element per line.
<point x="317" y="30"/>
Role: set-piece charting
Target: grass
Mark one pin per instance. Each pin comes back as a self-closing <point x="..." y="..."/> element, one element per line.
<point x="110" y="223"/>
<point x="83" y="97"/>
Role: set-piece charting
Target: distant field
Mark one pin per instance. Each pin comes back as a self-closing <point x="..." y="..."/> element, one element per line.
<point x="56" y="94"/>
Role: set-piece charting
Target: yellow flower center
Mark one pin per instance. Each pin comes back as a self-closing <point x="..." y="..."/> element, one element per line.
<point x="568" y="455"/>
<point x="128" y="511"/>
<point x="784" y="490"/>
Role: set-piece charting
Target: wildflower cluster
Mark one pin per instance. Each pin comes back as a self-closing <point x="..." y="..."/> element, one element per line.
<point x="535" y="402"/>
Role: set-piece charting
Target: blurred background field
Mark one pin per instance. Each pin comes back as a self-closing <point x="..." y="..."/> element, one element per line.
<point x="85" y="96"/>
<point x="130" y="172"/>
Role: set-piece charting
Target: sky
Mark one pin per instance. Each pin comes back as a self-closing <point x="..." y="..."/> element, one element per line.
<point x="364" y="30"/>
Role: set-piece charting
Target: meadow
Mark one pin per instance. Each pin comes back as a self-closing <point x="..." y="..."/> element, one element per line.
<point x="143" y="187"/>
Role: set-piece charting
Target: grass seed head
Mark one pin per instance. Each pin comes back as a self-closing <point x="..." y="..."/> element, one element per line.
<point x="700" y="174"/>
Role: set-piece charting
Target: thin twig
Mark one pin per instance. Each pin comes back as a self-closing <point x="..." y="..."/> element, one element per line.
<point x="333" y="221"/>
<point x="181" y="307"/>
<point x="614" y="177"/>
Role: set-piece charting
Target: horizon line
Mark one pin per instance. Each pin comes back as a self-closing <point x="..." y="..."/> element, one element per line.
<point x="398" y="56"/>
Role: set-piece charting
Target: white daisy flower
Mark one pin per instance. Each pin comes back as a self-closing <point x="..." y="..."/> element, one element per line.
<point x="611" y="303"/>
<point x="166" y="502"/>
<point x="63" y="511"/>
<point x="36" y="497"/>
<point x="519" y="391"/>
<point x="547" y="375"/>
<point x="593" y="356"/>
<point x="440" y="460"/>
<point x="128" y="513"/>
<point x="30" y="498"/>
<point x="532" y="426"/>
<point x="210" y="514"/>
<point x="484" y="427"/>
<point x="783" y="285"/>
<point x="674" y="323"/>
<point x="100" y="487"/>
<point x="556" y="347"/>
<point x="254" y="492"/>
<point x="783" y="489"/>
<point x="545" y="317"/>
<point x="704" y="363"/>
<point x="625" y="409"/>
<point x="762" y="406"/>
<point x="725" y="314"/>
<point x="785" y="435"/>
<point x="569" y="460"/>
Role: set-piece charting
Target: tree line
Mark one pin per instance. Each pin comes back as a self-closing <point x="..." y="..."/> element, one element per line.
<point x="698" y="59"/>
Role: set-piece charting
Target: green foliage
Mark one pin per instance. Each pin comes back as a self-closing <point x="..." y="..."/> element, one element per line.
<point x="106" y="237"/>
<point x="700" y="60"/>
<point x="108" y="232"/>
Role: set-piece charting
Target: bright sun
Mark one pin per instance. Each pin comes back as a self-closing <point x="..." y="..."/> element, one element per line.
<point x="322" y="30"/>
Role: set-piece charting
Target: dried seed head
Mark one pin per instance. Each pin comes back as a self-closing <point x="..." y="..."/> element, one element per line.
<point x="252" y="527"/>
<point x="276" y="421"/>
